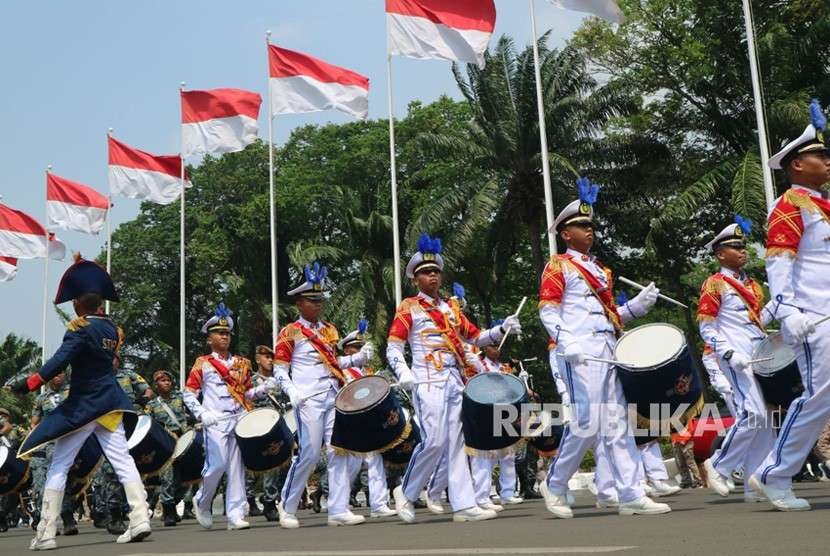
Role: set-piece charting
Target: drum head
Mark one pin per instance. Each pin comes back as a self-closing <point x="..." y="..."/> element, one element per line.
<point x="4" y="455"/>
<point x="495" y="389"/>
<point x="649" y="346"/>
<point x="183" y="443"/>
<point x="772" y="346"/>
<point x="257" y="423"/>
<point x="142" y="427"/>
<point x="362" y="394"/>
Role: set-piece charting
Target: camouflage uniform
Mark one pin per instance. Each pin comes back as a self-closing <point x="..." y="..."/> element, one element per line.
<point x="171" y="490"/>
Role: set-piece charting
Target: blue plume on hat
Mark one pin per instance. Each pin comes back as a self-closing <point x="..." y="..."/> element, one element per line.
<point x="744" y="223"/>
<point x="817" y="116"/>
<point x="362" y="326"/>
<point x="587" y="191"/>
<point x="622" y="298"/>
<point x="223" y="311"/>
<point x="458" y="290"/>
<point x="427" y="244"/>
<point x="316" y="273"/>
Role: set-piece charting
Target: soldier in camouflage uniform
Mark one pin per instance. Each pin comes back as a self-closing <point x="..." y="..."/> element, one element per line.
<point x="169" y="410"/>
<point x="11" y="436"/>
<point x="110" y="500"/>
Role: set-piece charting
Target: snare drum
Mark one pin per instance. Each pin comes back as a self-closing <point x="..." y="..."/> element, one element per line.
<point x="189" y="457"/>
<point x="14" y="472"/>
<point x="779" y="378"/>
<point x="368" y="417"/>
<point x="150" y="445"/>
<point x="656" y="368"/>
<point x="486" y="395"/>
<point x="264" y="439"/>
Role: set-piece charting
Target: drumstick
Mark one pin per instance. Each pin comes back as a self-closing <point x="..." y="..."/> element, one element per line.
<point x="516" y="314"/>
<point x="598" y="360"/>
<point x="821" y="320"/>
<point x="761" y="360"/>
<point x="633" y="284"/>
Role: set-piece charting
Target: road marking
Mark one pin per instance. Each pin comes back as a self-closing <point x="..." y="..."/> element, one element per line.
<point x="421" y="552"/>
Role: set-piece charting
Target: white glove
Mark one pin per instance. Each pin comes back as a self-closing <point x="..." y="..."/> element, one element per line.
<point x="574" y="355"/>
<point x="643" y="301"/>
<point x="406" y="379"/>
<point x="511" y="325"/>
<point x="271" y="384"/>
<point x="208" y="418"/>
<point x="293" y="395"/>
<point x="796" y="327"/>
<point x="367" y="351"/>
<point x="738" y="361"/>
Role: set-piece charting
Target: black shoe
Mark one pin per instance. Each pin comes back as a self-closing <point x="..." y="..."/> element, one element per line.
<point x="35" y="520"/>
<point x="531" y="495"/>
<point x="116" y="526"/>
<point x="253" y="509"/>
<point x="353" y="501"/>
<point x="188" y="511"/>
<point x="316" y="496"/>
<point x="4" y="525"/>
<point x="419" y="504"/>
<point x="805" y="477"/>
<point x="269" y="510"/>
<point x="70" y="526"/>
<point x="100" y="521"/>
<point x="169" y="515"/>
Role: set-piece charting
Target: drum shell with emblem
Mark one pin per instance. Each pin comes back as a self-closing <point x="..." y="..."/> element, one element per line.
<point x="264" y="439"/>
<point x="15" y="473"/>
<point x="150" y="444"/>
<point x="189" y="457"/>
<point x="368" y="417"/>
<point x="546" y="438"/>
<point x="656" y="367"/>
<point x="402" y="453"/>
<point x="779" y="379"/>
<point x="487" y="400"/>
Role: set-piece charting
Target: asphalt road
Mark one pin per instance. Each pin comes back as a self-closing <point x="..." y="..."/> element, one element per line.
<point x="700" y="524"/>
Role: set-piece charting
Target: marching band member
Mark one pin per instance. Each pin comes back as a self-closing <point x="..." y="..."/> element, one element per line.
<point x="439" y="335"/>
<point x="378" y="498"/>
<point x="732" y="321"/>
<point x="95" y="404"/>
<point x="798" y="269"/>
<point x="718" y="380"/>
<point x="482" y="467"/>
<point x="309" y="371"/>
<point x="577" y="307"/>
<point x="227" y="392"/>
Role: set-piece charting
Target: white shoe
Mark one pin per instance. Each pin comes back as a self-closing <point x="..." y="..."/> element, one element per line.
<point x="643" y="506"/>
<point x="238" y="525"/>
<point x="347" y="518"/>
<point x="287" y="520"/>
<point x="512" y="500"/>
<point x="556" y="504"/>
<point x="48" y="544"/>
<point x="648" y="489"/>
<point x="664" y="488"/>
<point x="473" y="514"/>
<point x="384" y="511"/>
<point x="781" y="499"/>
<point x="731" y="484"/>
<point x="405" y="508"/>
<point x="609" y="503"/>
<point x="433" y="506"/>
<point x="751" y="497"/>
<point x="491" y="506"/>
<point x="135" y="533"/>
<point x="205" y="520"/>
<point x="717" y="482"/>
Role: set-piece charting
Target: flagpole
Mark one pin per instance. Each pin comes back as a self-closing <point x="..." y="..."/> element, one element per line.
<point x="181" y="265"/>
<point x="543" y="136"/>
<point x="393" y="169"/>
<point x="109" y="231"/>
<point x="754" y="70"/>
<point x="275" y="323"/>
<point x="45" y="277"/>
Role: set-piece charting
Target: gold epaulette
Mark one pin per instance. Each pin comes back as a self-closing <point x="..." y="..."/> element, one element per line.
<point x="77" y="323"/>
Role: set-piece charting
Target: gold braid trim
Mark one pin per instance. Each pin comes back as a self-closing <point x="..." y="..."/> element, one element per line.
<point x="404" y="436"/>
<point x="780" y="251"/>
<point x="77" y="323"/>
<point x="690" y="413"/>
<point x="805" y="202"/>
<point x="495" y="454"/>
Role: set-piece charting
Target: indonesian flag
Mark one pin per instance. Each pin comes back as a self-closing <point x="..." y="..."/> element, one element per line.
<point x="301" y="83"/>
<point x="57" y="248"/>
<point x="21" y="235"/>
<point x="8" y="269"/>
<point x="74" y="206"/>
<point x="457" y="30"/>
<point x="140" y="175"/>
<point x="218" y="121"/>
<point x="605" y="9"/>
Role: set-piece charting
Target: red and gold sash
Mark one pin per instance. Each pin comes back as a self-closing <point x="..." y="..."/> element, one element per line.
<point x="447" y="331"/>
<point x="324" y="349"/>
<point x="237" y="378"/>
<point x="752" y="299"/>
<point x="604" y="295"/>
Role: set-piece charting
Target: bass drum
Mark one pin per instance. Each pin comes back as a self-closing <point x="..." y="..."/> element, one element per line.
<point x="264" y="439"/>
<point x="14" y="472"/>
<point x="150" y="445"/>
<point x="86" y="463"/>
<point x="189" y="457"/>
<point x="488" y="398"/>
<point x="368" y="417"/>
<point x="778" y="378"/>
<point x="402" y="453"/>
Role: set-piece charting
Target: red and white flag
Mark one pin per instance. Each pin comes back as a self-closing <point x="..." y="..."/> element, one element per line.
<point x="8" y="269"/>
<point x="218" y="121"/>
<point x="74" y="206"/>
<point x="21" y="235"/>
<point x="57" y="248"/>
<point x="605" y="9"/>
<point x="300" y="83"/>
<point x="457" y="30"/>
<point x="137" y="174"/>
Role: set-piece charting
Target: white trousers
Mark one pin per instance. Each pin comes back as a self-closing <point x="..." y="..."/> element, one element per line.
<point x="806" y="416"/>
<point x="482" y="470"/>
<point x="113" y="444"/>
<point x="599" y="416"/>
<point x="439" y="413"/>
<point x="752" y="436"/>
<point x="654" y="468"/>
<point x="222" y="457"/>
<point x="439" y="481"/>
<point x="376" y="474"/>
<point x="603" y="476"/>
<point x="315" y="422"/>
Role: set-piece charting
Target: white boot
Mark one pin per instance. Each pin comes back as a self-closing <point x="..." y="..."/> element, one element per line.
<point x="717" y="482"/>
<point x="139" y="527"/>
<point x="287" y="520"/>
<point x="781" y="499"/>
<point x="48" y="526"/>
<point x="643" y="506"/>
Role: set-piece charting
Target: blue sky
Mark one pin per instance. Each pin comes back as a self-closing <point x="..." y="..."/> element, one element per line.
<point x="71" y="70"/>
